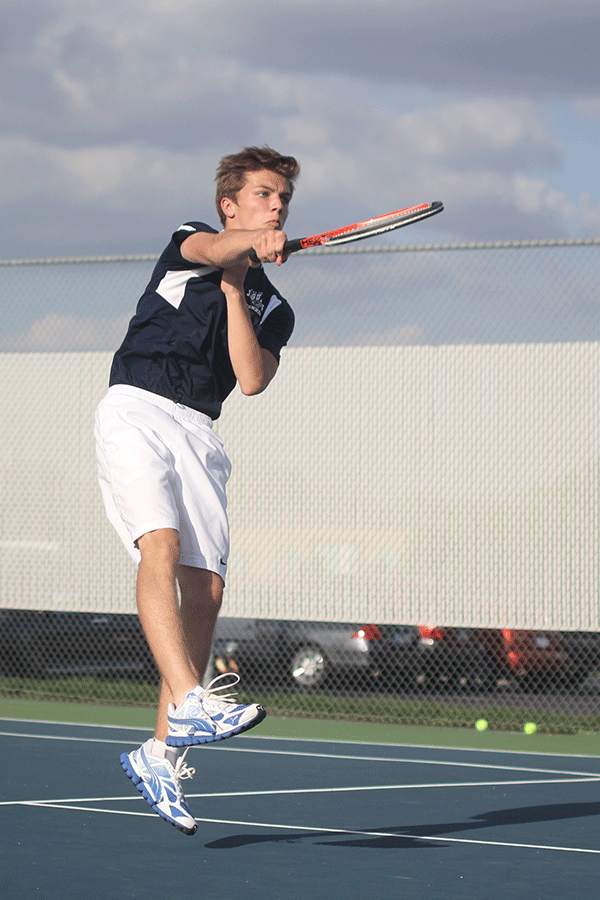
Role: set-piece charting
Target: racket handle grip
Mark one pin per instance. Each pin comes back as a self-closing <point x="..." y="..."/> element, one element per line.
<point x="292" y="246"/>
<point x="288" y="247"/>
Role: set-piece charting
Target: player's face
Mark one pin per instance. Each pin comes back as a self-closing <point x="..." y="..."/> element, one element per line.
<point x="263" y="202"/>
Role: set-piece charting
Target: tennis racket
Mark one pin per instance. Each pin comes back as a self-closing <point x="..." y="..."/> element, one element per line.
<point x="361" y="230"/>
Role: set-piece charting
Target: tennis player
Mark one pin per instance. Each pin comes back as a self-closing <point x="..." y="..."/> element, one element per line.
<point x="209" y="318"/>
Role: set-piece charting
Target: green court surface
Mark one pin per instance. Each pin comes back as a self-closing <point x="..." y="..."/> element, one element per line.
<point x="311" y="729"/>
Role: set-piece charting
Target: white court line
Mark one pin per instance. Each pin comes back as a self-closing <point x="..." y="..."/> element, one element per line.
<point x="314" y="740"/>
<point x="75" y="805"/>
<point x="51" y="804"/>
<point x="401" y="835"/>
<point x="340" y="831"/>
<point x="351" y="758"/>
<point x="57" y="802"/>
<point x="331" y="831"/>
<point x="421" y="762"/>
<point x="394" y="787"/>
<point x="63" y="737"/>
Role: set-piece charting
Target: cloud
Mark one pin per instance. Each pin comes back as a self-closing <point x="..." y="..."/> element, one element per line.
<point x="589" y="215"/>
<point x="588" y="108"/>
<point x="80" y="67"/>
<point x="541" y="46"/>
<point x="115" y="114"/>
<point x="479" y="157"/>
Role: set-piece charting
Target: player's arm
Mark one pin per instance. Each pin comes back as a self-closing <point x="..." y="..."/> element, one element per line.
<point x="231" y="247"/>
<point x="254" y="367"/>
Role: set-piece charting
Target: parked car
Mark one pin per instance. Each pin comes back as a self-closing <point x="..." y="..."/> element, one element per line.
<point x="304" y="655"/>
<point x="530" y="658"/>
<point x="310" y="654"/>
<point x="583" y="650"/>
<point x="46" y="644"/>
<point x="285" y="652"/>
<point x="433" y="657"/>
<point x="484" y="658"/>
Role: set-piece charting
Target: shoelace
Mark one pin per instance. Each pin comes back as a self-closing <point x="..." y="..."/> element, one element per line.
<point x="182" y="770"/>
<point x="212" y="692"/>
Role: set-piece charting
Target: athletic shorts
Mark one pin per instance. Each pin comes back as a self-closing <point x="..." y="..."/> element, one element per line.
<point x="161" y="465"/>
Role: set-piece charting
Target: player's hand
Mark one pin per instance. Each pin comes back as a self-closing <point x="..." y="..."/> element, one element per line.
<point x="268" y="246"/>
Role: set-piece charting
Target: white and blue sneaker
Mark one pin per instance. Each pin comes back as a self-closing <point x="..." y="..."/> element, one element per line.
<point x="205" y="716"/>
<point x="157" y="780"/>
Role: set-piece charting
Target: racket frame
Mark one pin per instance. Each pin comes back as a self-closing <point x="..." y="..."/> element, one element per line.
<point x="361" y="230"/>
<point x="367" y="228"/>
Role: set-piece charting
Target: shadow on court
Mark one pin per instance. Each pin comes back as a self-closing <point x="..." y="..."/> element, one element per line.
<point x="526" y="815"/>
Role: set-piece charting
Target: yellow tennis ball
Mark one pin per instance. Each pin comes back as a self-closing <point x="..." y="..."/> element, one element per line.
<point x="481" y="724"/>
<point x="530" y="728"/>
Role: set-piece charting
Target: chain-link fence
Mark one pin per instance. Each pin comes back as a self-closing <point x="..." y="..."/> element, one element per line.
<point x="415" y="501"/>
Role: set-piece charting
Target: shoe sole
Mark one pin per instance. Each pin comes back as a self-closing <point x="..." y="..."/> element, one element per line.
<point x="190" y="740"/>
<point x="138" y="781"/>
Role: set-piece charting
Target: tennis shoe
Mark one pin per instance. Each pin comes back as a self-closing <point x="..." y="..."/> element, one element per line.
<point x="157" y="780"/>
<point x="208" y="715"/>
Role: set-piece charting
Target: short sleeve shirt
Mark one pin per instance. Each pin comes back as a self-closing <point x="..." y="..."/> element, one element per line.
<point x="176" y="343"/>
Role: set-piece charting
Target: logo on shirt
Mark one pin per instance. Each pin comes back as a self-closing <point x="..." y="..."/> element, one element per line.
<point x="255" y="301"/>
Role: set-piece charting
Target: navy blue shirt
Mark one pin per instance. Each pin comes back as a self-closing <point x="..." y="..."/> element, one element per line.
<point x="176" y="344"/>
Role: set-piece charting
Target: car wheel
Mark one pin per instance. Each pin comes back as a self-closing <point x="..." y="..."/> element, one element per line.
<point x="308" y="667"/>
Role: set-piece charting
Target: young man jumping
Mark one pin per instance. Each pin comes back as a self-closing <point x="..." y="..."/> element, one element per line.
<point x="209" y="318"/>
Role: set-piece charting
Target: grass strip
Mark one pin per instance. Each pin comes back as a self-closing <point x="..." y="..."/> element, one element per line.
<point x="449" y="712"/>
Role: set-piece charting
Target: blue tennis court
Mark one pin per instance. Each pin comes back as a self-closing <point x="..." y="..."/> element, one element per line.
<point x="290" y="819"/>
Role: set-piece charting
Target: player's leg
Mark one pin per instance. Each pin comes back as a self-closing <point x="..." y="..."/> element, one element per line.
<point x="135" y="441"/>
<point x="153" y="769"/>
<point x="157" y="779"/>
<point x="158" y="607"/>
<point x="201" y="596"/>
<point x="201" y="593"/>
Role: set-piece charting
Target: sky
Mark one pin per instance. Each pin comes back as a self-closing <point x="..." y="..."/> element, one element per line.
<point x="114" y="115"/>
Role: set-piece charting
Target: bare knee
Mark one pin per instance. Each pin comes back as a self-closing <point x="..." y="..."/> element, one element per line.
<point x="160" y="548"/>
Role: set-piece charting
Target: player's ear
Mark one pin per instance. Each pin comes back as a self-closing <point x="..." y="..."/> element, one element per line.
<point x="228" y="207"/>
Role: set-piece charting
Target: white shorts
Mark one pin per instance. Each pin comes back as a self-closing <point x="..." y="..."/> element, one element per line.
<point x="161" y="465"/>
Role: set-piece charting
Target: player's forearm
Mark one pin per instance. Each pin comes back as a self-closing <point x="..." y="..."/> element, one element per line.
<point x="253" y="367"/>
<point x="231" y="247"/>
<point x="223" y="250"/>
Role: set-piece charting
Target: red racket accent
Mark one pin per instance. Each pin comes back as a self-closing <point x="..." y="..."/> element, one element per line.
<point x="369" y="226"/>
<point x="365" y="229"/>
